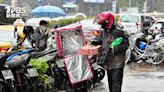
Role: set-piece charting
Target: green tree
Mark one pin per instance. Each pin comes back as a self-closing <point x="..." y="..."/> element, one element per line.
<point x="2" y="1"/>
<point x="122" y="3"/>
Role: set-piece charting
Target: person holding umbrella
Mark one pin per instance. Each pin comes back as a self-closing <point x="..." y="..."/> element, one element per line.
<point x="40" y="35"/>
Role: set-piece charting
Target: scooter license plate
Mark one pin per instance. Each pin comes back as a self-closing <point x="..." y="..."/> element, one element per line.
<point x="50" y="80"/>
<point x="95" y="66"/>
<point x="32" y="72"/>
<point x="7" y="74"/>
<point x="60" y="63"/>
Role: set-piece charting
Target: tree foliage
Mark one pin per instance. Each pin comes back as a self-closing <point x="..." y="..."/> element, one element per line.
<point x="2" y="1"/>
<point x="125" y="3"/>
<point x="122" y="3"/>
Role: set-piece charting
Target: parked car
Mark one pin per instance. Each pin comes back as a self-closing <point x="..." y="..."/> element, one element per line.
<point x="7" y="36"/>
<point x="71" y="16"/>
<point x="134" y="22"/>
<point x="158" y="26"/>
<point x="157" y="15"/>
<point x="77" y="15"/>
<point x="91" y="31"/>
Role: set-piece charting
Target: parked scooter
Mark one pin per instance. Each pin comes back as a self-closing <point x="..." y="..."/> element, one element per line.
<point x="57" y="72"/>
<point x="13" y="71"/>
<point x="6" y="76"/>
<point x="26" y="76"/>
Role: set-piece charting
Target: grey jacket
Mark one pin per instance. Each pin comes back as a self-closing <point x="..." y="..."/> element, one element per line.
<point x="39" y="39"/>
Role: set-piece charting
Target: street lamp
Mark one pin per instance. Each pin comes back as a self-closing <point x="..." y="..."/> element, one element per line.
<point x="145" y="6"/>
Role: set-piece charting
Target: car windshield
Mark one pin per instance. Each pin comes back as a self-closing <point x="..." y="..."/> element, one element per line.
<point x="6" y="36"/>
<point x="129" y="18"/>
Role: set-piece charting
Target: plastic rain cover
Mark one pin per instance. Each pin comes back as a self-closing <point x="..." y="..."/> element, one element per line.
<point x="78" y="68"/>
<point x="71" y="41"/>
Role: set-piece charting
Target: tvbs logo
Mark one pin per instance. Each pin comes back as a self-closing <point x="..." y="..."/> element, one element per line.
<point x="15" y="12"/>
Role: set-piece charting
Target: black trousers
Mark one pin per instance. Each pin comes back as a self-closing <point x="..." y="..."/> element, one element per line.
<point x="115" y="77"/>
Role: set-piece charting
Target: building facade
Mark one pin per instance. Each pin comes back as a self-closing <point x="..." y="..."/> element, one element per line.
<point x="88" y="8"/>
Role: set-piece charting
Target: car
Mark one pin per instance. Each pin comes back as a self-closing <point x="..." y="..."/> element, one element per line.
<point x="70" y="16"/>
<point x="157" y="15"/>
<point x="7" y="36"/>
<point x="77" y="15"/>
<point x="158" y="26"/>
<point x="134" y="22"/>
<point x="91" y="31"/>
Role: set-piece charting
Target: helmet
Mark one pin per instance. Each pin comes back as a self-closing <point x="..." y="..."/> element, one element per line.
<point x="105" y="19"/>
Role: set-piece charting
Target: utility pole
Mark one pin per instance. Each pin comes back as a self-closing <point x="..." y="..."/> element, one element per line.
<point x="130" y="6"/>
<point x="48" y="2"/>
<point x="153" y="5"/>
<point x="114" y="2"/>
<point x="145" y="6"/>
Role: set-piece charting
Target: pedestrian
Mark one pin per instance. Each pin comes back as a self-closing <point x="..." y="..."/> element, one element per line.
<point x="40" y="35"/>
<point x="115" y="57"/>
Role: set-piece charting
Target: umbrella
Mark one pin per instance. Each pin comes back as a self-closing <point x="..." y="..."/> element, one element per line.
<point x="48" y="11"/>
<point x="19" y="22"/>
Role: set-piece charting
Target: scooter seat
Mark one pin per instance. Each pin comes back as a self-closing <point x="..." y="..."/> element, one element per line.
<point x="48" y="57"/>
<point x="17" y="61"/>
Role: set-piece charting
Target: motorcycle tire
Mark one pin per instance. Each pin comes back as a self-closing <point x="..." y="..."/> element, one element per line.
<point x="132" y="59"/>
<point x="6" y="87"/>
<point x="100" y="73"/>
<point x="24" y="87"/>
<point x="36" y="85"/>
<point x="77" y="90"/>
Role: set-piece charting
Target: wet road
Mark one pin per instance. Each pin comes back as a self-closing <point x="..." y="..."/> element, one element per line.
<point x="141" y="77"/>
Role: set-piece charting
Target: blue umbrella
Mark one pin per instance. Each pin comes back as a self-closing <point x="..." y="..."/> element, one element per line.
<point x="48" y="11"/>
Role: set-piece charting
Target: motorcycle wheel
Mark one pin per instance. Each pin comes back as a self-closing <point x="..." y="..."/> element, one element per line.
<point x="36" y="85"/>
<point x="155" y="54"/>
<point x="6" y="87"/>
<point x="24" y="87"/>
<point x="101" y="73"/>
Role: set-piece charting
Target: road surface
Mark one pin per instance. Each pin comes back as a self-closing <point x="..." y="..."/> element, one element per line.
<point x="141" y="77"/>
